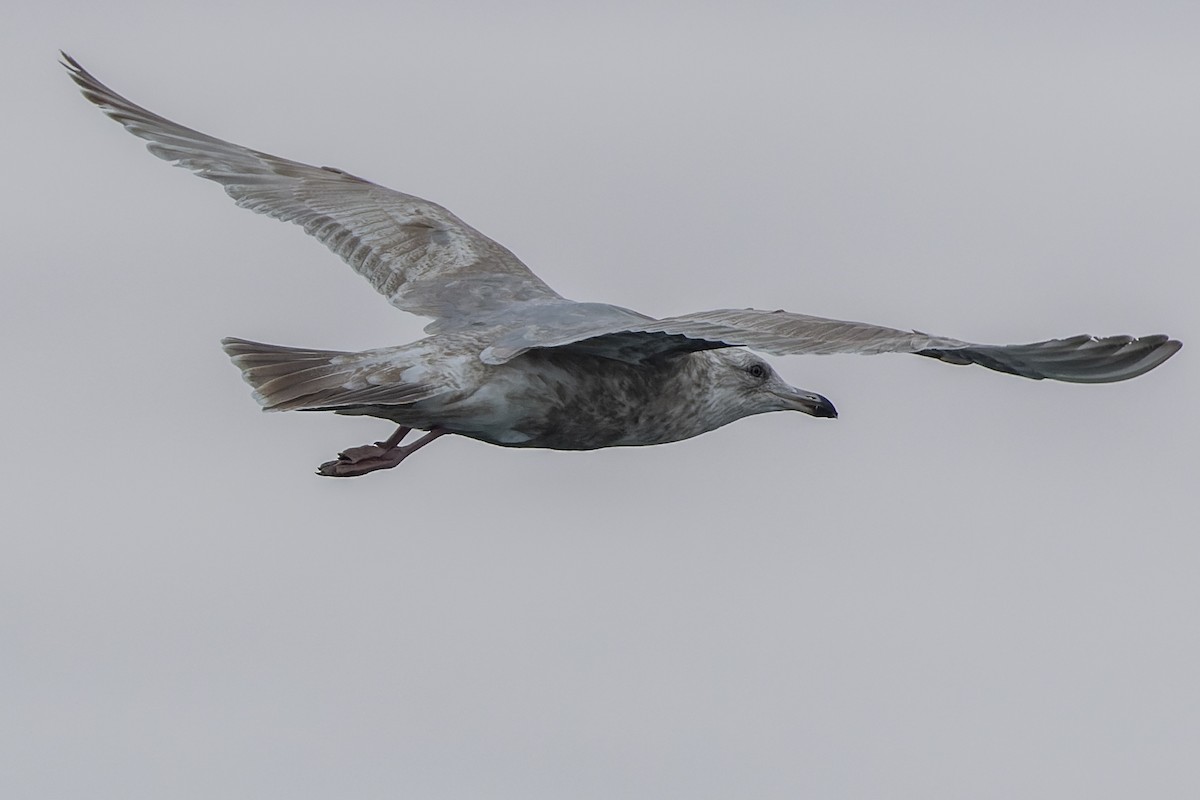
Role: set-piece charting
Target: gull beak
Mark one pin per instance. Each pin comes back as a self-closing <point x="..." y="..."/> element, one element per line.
<point x="810" y="403"/>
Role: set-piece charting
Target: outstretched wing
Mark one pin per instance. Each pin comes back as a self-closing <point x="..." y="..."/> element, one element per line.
<point x="414" y="252"/>
<point x="1079" y="359"/>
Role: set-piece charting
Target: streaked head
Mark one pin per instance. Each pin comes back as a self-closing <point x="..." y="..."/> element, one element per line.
<point x="745" y="379"/>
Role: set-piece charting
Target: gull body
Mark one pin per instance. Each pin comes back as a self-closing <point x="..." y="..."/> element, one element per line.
<point x="511" y="362"/>
<point x="541" y="398"/>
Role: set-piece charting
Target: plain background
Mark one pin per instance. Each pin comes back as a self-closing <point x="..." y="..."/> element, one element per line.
<point x="969" y="585"/>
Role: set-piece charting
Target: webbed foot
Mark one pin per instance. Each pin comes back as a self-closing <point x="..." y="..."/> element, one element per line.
<point x="361" y="460"/>
<point x="356" y="461"/>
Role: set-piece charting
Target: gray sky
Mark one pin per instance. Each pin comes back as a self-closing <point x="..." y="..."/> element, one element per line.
<point x="969" y="585"/>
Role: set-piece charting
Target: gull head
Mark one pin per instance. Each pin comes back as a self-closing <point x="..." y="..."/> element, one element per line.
<point x="743" y="380"/>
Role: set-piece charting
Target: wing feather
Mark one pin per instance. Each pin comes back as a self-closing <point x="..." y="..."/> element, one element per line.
<point x="1079" y="359"/>
<point x="416" y="253"/>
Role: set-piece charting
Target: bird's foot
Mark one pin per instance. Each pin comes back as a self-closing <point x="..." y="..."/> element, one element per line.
<point x="361" y="460"/>
<point x="370" y="457"/>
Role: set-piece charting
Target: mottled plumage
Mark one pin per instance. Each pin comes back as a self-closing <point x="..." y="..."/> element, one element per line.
<point x="511" y="362"/>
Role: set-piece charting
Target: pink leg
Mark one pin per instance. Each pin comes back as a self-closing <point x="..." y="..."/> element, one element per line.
<point x="395" y="438"/>
<point x="381" y="455"/>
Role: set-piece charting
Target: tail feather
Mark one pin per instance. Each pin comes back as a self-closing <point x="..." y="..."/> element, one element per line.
<point x="301" y="381"/>
<point x="294" y="378"/>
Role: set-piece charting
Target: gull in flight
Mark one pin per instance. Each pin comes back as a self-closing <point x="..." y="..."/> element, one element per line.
<point x="508" y="360"/>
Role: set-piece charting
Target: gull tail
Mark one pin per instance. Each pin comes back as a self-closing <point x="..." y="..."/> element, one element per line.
<point x="285" y="378"/>
<point x="297" y="378"/>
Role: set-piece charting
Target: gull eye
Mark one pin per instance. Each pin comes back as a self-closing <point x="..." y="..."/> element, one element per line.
<point x="757" y="371"/>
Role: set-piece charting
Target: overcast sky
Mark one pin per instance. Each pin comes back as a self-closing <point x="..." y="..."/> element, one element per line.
<point x="969" y="585"/>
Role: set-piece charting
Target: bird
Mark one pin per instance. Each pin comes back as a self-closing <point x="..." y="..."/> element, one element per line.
<point x="509" y="361"/>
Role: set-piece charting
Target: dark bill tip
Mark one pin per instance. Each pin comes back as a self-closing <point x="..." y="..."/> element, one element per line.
<point x="811" y="403"/>
<point x="823" y="408"/>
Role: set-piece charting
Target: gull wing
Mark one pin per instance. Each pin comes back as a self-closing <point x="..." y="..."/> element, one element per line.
<point x="1079" y="359"/>
<point x="418" y="255"/>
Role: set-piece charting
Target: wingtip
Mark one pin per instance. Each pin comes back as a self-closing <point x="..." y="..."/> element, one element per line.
<point x="91" y="88"/>
<point x="1146" y="353"/>
<point x="1155" y="350"/>
<point x="1158" y="354"/>
<point x="72" y="66"/>
<point x="1169" y="348"/>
